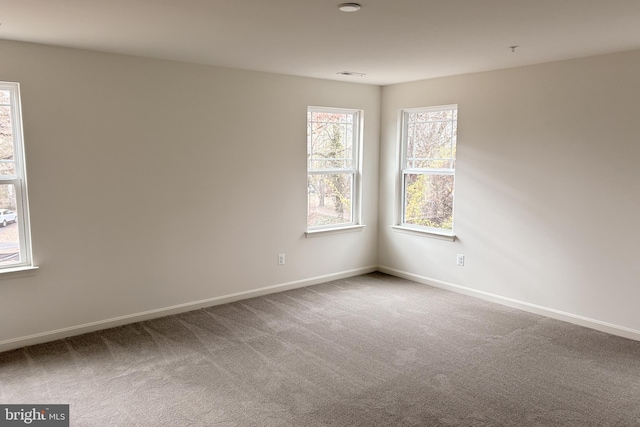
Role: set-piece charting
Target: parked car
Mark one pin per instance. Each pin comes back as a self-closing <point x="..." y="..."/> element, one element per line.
<point x="7" y="216"/>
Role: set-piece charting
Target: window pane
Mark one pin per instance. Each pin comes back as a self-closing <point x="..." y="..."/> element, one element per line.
<point x="410" y="146"/>
<point x="434" y="140"/>
<point x="429" y="200"/>
<point x="431" y="139"/>
<point x="329" y="199"/>
<point x="14" y="230"/>
<point x="432" y="116"/>
<point x="7" y="163"/>
<point x="330" y="140"/>
<point x="5" y="97"/>
<point x="9" y="240"/>
<point x="329" y="117"/>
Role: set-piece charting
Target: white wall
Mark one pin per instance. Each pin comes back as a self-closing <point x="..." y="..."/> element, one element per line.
<point x="156" y="183"/>
<point x="147" y="180"/>
<point x="547" y="208"/>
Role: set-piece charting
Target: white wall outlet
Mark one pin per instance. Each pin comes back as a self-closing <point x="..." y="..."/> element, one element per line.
<point x="460" y="259"/>
<point x="280" y="259"/>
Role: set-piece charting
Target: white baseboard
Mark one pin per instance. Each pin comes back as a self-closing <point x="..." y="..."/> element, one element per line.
<point x="521" y="305"/>
<point x="181" y="308"/>
<point x="175" y="309"/>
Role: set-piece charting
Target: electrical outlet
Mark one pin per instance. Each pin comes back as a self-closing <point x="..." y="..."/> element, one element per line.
<point x="280" y="259"/>
<point x="460" y="260"/>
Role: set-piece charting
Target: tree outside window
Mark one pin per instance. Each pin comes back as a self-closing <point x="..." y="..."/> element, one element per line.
<point x="428" y="167"/>
<point x="332" y="167"/>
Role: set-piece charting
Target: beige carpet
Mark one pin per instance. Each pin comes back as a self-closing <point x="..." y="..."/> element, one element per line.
<point x="371" y="350"/>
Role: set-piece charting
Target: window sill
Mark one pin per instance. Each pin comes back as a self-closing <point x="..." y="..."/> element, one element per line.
<point x="442" y="235"/>
<point x="23" y="270"/>
<point x="337" y="230"/>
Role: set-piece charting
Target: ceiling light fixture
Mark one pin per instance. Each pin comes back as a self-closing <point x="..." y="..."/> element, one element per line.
<point x="351" y="73"/>
<point x="349" y="7"/>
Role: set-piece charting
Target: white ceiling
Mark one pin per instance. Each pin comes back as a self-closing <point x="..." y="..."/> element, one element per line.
<point x="391" y="41"/>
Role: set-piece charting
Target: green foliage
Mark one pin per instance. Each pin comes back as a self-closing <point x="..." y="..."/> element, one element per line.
<point x="429" y="201"/>
<point x="430" y="147"/>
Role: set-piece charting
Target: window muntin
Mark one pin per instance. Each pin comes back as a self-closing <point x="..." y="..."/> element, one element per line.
<point x="15" y="242"/>
<point x="429" y="137"/>
<point x="332" y="167"/>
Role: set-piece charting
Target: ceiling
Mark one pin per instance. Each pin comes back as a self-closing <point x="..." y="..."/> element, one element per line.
<point x="392" y="41"/>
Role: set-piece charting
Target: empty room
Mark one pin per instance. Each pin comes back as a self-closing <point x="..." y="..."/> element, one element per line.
<point x="313" y="213"/>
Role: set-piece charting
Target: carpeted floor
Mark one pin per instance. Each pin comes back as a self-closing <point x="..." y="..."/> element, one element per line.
<point x="371" y="350"/>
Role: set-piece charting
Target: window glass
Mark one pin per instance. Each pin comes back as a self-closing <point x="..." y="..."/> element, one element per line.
<point x="332" y="166"/>
<point x="428" y="167"/>
<point x="15" y="242"/>
<point x="7" y="161"/>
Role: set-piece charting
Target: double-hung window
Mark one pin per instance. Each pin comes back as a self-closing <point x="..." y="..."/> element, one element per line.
<point x="428" y="168"/>
<point x="333" y="139"/>
<point x="15" y="242"/>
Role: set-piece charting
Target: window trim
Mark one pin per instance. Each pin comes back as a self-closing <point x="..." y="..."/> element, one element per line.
<point x="434" y="233"/>
<point x="401" y="225"/>
<point x="356" y="189"/>
<point x="19" y="181"/>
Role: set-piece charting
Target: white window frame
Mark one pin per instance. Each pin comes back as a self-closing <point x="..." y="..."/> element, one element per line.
<point x="19" y="181"/>
<point x="355" y="171"/>
<point x="404" y="170"/>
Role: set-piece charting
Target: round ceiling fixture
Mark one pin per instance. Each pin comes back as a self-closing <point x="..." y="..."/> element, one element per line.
<point x="349" y="7"/>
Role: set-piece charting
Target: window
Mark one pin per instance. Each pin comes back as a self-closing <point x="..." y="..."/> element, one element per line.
<point x="333" y="137"/>
<point x="15" y="242"/>
<point x="428" y="168"/>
